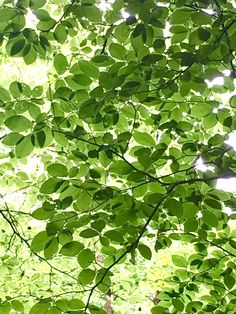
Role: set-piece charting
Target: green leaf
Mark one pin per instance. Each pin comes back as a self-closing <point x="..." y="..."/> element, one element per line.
<point x="57" y="170"/>
<point x="60" y="63"/>
<point x="120" y="167"/>
<point x="174" y="207"/>
<point x="5" y="307"/>
<point x="39" y="241"/>
<point x="4" y="94"/>
<point x="200" y="110"/>
<point x="17" y="47"/>
<point x="89" y="69"/>
<point x="12" y="139"/>
<point x="24" y="147"/>
<point x="76" y="304"/>
<point x="114" y="235"/>
<point x="201" y="18"/>
<point x="64" y="93"/>
<point x="42" y="214"/>
<point x="85" y="258"/>
<point x="209" y="218"/>
<point x="60" y="34"/>
<point x="144" y="139"/>
<point x="89" y="233"/>
<point x="145" y="251"/>
<point x="86" y="276"/>
<point x="40" y="308"/>
<point x="51" y="185"/>
<point x="51" y="248"/>
<point x="31" y="56"/>
<point x="89" y="109"/>
<point x="229" y="281"/>
<point x="179" y="261"/>
<point x="41" y="138"/>
<point x="71" y="248"/>
<point x="180" y="16"/>
<point x="92" y="13"/>
<point x="17" y="305"/>
<point x="158" y="310"/>
<point x="190" y="225"/>
<point x="178" y="304"/>
<point x="7" y="14"/>
<point x="117" y="51"/>
<point x="36" y="4"/>
<point x="82" y="79"/>
<point x="203" y="34"/>
<point x="18" y="123"/>
<point x="53" y="310"/>
<point x="232" y="101"/>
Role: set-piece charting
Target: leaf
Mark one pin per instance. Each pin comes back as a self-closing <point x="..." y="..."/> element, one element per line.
<point x="18" y="123"/>
<point x="36" y="4"/>
<point x="24" y="147"/>
<point x="60" y="63"/>
<point x="232" y="101"/>
<point x="51" y="185"/>
<point x="120" y="167"/>
<point x="117" y="51"/>
<point x="4" y="94"/>
<point x="229" y="281"/>
<point x="201" y="18"/>
<point x="178" y="304"/>
<point x="190" y="225"/>
<point x="89" y="109"/>
<point x="82" y="79"/>
<point x="89" y="69"/>
<point x="201" y="110"/>
<point x="64" y="93"/>
<point x="71" y="248"/>
<point x="39" y="241"/>
<point x="85" y="258"/>
<point x="180" y="16"/>
<point x="203" y="34"/>
<point x="114" y="235"/>
<point x="42" y="214"/>
<point x="7" y="14"/>
<point x="86" y="276"/>
<point x="92" y="13"/>
<point x="76" y="304"/>
<point x="209" y="218"/>
<point x="41" y="138"/>
<point x="144" y="139"/>
<point x="145" y="251"/>
<point x="65" y="236"/>
<point x="17" y="47"/>
<point x="17" y="305"/>
<point x="53" y="310"/>
<point x="12" y="139"/>
<point x="60" y="33"/>
<point x="40" y="308"/>
<point x="51" y="248"/>
<point x="57" y="170"/>
<point x="179" y="261"/>
<point x="89" y="233"/>
<point x="31" y="56"/>
<point x="174" y="207"/>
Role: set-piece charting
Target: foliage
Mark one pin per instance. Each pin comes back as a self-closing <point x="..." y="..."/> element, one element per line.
<point x="115" y="134"/>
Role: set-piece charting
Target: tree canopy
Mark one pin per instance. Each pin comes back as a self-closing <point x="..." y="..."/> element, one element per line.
<point x="107" y="108"/>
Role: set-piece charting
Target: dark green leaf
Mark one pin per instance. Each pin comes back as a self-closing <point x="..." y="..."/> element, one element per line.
<point x="145" y="251"/>
<point x="71" y="248"/>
